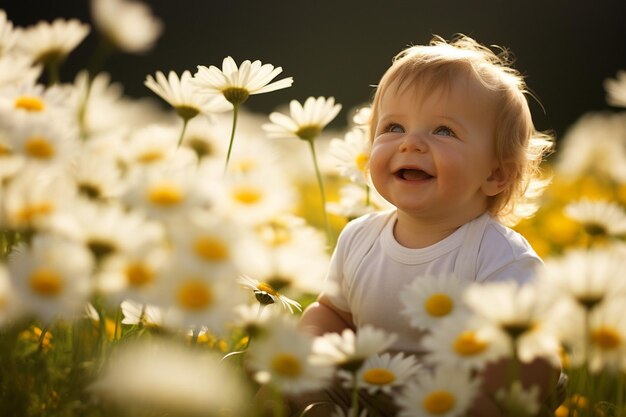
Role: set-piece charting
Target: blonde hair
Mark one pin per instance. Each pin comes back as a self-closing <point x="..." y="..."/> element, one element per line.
<point x="519" y="147"/>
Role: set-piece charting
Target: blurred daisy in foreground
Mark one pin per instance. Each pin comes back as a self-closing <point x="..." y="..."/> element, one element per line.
<point x="465" y="344"/>
<point x="616" y="89"/>
<point x="449" y="392"/>
<point x="355" y="201"/>
<point x="50" y="43"/>
<point x="236" y="84"/>
<point x="521" y="312"/>
<point x="127" y="25"/>
<point x="431" y="298"/>
<point x="52" y="276"/>
<point x="163" y="377"/>
<point x="183" y="97"/>
<point x="35" y="99"/>
<point x="585" y="279"/>
<point x="97" y="176"/>
<point x="349" y="350"/>
<point x="352" y="155"/>
<point x="518" y="401"/>
<point x="382" y="373"/>
<point x="598" y="218"/>
<point x="282" y="358"/>
<point x="155" y="146"/>
<point x="265" y="294"/>
<point x="306" y="122"/>
<point x="206" y="139"/>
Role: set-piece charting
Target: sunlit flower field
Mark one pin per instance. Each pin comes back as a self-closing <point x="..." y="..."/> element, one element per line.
<point x="155" y="253"/>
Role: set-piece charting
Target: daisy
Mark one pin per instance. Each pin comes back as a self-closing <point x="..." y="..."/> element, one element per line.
<point x="606" y="338"/>
<point x="352" y="155"/>
<point x="431" y="298"/>
<point x="108" y="230"/>
<point x="355" y="201"/>
<point x="282" y="358"/>
<point x="44" y="140"/>
<point x="448" y="392"/>
<point x="8" y="37"/>
<point x="98" y="176"/>
<point x="252" y="199"/>
<point x="349" y="350"/>
<point x="17" y="70"/>
<point x="159" y="376"/>
<point x="306" y="122"/>
<point x="520" y="312"/>
<point x="52" y="276"/>
<point x="599" y="218"/>
<point x="361" y="117"/>
<point x="382" y="373"/>
<point x="519" y="401"/>
<point x="167" y="195"/>
<point x="134" y="274"/>
<point x="22" y="100"/>
<point x="128" y="25"/>
<point x="135" y="313"/>
<point x="465" y="344"/>
<point x="50" y="43"/>
<point x="156" y="146"/>
<point x="35" y="199"/>
<point x="182" y="95"/>
<point x="207" y="240"/>
<point x="10" y="307"/>
<point x="594" y="145"/>
<point x="206" y="139"/>
<point x="585" y="278"/>
<point x="266" y="294"/>
<point x="193" y="298"/>
<point x="236" y="84"/>
<point x="616" y="89"/>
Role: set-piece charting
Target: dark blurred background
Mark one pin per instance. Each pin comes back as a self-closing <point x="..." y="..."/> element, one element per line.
<point x="566" y="48"/>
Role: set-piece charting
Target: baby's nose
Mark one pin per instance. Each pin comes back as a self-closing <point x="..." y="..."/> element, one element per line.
<point x="413" y="142"/>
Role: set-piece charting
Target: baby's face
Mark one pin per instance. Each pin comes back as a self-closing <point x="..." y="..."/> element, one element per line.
<point x="433" y="152"/>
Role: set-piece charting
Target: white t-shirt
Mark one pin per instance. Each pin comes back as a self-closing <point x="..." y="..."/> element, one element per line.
<point x="370" y="268"/>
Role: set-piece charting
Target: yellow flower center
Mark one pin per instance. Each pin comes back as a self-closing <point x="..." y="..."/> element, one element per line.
<point x="262" y="286"/>
<point x="211" y="249"/>
<point x="166" y="195"/>
<point x="361" y="161"/>
<point x="467" y="344"/>
<point x="308" y="132"/>
<point x="439" y="305"/>
<point x="29" y="213"/>
<point x="138" y="274"/>
<point x="195" y="295"/>
<point x="287" y="364"/>
<point x="30" y="103"/>
<point x="39" y="147"/>
<point x="606" y="337"/>
<point x="45" y="282"/>
<point x="275" y="233"/>
<point x="245" y="165"/>
<point x="247" y="195"/>
<point x="4" y="150"/>
<point x="151" y="156"/>
<point x="379" y="376"/>
<point x="439" y="402"/>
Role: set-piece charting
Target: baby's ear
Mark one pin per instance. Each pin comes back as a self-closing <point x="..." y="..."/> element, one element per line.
<point x="497" y="181"/>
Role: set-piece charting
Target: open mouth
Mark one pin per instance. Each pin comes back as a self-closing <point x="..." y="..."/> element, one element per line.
<point x="409" y="174"/>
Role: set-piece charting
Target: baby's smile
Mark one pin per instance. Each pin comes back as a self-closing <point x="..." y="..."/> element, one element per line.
<point x="412" y="174"/>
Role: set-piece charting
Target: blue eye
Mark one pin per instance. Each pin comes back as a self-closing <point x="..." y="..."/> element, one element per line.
<point x="394" y="128"/>
<point x="444" y="131"/>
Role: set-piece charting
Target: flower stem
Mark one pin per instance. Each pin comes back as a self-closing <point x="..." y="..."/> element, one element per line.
<point x="355" y="396"/>
<point x="367" y="196"/>
<point x="232" y="135"/>
<point x="42" y="337"/>
<point x="321" y="187"/>
<point x="182" y="133"/>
